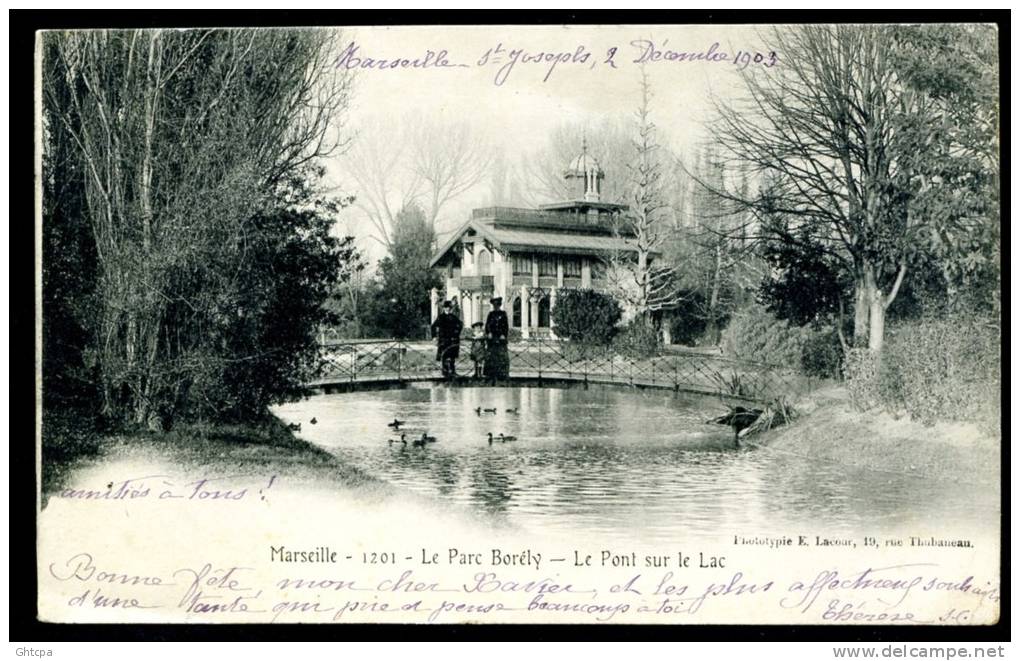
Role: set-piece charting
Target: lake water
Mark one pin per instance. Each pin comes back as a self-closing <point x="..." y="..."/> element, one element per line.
<point x="621" y="464"/>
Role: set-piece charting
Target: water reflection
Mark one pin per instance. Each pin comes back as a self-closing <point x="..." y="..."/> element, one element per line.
<point x="614" y="462"/>
<point x="491" y="484"/>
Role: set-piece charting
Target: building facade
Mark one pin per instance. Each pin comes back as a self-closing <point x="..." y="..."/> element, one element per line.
<point x="527" y="256"/>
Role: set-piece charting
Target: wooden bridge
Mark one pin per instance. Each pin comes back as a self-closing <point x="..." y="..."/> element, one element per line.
<point x="380" y="364"/>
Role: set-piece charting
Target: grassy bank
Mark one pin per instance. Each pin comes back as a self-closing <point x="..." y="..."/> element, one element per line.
<point x="268" y="447"/>
<point x="831" y="430"/>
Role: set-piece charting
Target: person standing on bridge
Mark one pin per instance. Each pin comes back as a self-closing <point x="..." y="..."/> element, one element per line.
<point x="446" y="329"/>
<point x="497" y="332"/>
<point x="478" y="347"/>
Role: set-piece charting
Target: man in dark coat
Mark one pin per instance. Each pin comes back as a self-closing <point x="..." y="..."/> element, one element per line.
<point x="446" y="328"/>
<point x="497" y="331"/>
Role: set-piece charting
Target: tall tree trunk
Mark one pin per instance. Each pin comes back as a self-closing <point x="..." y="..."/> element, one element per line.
<point x="147" y="327"/>
<point x="862" y="302"/>
<point x="879" y="303"/>
<point x="642" y="275"/>
<point x="712" y="327"/>
<point x="876" y="314"/>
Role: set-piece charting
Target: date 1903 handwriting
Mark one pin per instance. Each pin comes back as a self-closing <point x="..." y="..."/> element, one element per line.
<point x="506" y="58"/>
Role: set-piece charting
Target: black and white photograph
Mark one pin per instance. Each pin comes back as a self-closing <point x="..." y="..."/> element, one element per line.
<point x="520" y="324"/>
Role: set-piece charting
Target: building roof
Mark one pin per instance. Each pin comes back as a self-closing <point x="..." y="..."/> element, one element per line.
<point x="563" y="242"/>
<point x="584" y="162"/>
<point x="539" y="231"/>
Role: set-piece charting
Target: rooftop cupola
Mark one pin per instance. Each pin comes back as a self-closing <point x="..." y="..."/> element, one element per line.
<point x="586" y="172"/>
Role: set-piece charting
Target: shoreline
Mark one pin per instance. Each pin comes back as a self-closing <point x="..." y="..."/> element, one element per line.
<point x="829" y="429"/>
<point x="263" y="447"/>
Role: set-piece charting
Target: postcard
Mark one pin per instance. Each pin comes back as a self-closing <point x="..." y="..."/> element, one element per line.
<point x="588" y="324"/>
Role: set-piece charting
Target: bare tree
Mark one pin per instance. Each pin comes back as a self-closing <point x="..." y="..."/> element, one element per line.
<point x="718" y="262"/>
<point x="505" y="182"/>
<point x="679" y="190"/>
<point x="451" y="159"/>
<point x="380" y="164"/>
<point x="825" y="130"/>
<point x="608" y="141"/>
<point x="424" y="160"/>
<point x="643" y="277"/>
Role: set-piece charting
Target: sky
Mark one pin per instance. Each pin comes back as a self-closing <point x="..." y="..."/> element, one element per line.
<point x="514" y="100"/>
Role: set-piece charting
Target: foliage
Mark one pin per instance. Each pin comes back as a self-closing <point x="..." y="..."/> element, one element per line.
<point x="177" y="164"/>
<point x="687" y="323"/>
<point x="349" y="302"/>
<point x="754" y="334"/>
<point x="69" y="296"/>
<point x="68" y="434"/>
<point x="948" y="148"/>
<point x="934" y="369"/>
<point x="807" y="286"/>
<point x="638" y="339"/>
<point x="262" y="337"/>
<point x="757" y="334"/>
<point x="401" y="303"/>
<point x="713" y="252"/>
<point x="877" y="175"/>
<point x="731" y="382"/>
<point x="944" y="369"/>
<point x="586" y="316"/>
<point x="821" y="354"/>
<point x="860" y="371"/>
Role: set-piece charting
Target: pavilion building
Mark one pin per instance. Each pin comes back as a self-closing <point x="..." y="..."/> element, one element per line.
<point x="526" y="256"/>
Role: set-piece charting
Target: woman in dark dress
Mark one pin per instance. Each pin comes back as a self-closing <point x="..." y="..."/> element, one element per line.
<point x="497" y="332"/>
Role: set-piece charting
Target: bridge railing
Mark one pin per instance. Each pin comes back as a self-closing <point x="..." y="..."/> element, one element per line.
<point x="539" y="359"/>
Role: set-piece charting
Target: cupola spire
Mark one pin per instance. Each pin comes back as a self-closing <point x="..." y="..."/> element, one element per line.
<point x="587" y="171"/>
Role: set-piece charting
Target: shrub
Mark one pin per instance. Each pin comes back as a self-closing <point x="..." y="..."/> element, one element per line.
<point x="860" y="369"/>
<point x="639" y="339"/>
<point x="755" y="334"/>
<point x="68" y="435"/>
<point x="947" y="368"/>
<point x="687" y="322"/>
<point x="585" y="315"/>
<point x="575" y="352"/>
<point x="821" y="354"/>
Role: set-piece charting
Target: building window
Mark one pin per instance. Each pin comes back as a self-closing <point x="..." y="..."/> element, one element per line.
<point x="571" y="267"/>
<point x="544" y="312"/>
<point x="522" y="264"/>
<point x="484" y="263"/>
<point x="546" y="266"/>
<point x="598" y="269"/>
<point x="516" y="307"/>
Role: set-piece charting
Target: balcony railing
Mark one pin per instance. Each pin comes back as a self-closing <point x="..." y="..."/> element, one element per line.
<point x="475" y="283"/>
<point x="563" y="220"/>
